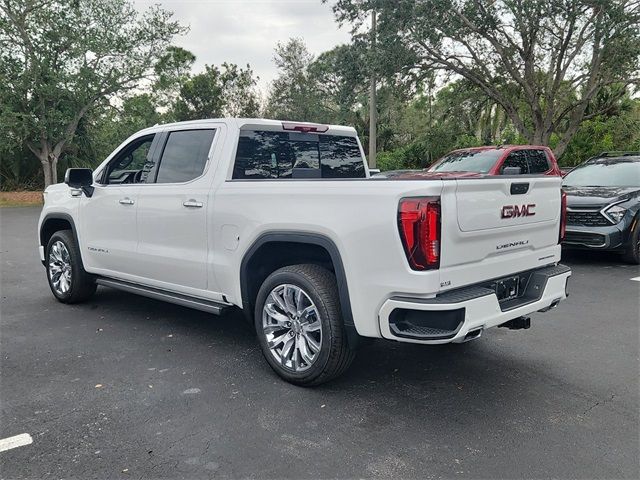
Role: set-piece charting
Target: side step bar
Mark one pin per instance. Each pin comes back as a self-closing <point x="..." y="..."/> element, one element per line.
<point x="171" y="297"/>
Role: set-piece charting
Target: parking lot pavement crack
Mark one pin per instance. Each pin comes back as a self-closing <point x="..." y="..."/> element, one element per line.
<point x="598" y="403"/>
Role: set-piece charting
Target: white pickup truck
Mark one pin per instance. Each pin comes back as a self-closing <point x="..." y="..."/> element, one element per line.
<point x="282" y="220"/>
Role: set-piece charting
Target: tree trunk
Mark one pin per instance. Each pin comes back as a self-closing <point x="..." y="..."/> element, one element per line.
<point x="46" y="170"/>
<point x="565" y="140"/>
<point x="53" y="164"/>
<point x="49" y="168"/>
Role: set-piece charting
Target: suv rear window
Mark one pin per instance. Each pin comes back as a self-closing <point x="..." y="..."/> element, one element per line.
<point x="269" y="155"/>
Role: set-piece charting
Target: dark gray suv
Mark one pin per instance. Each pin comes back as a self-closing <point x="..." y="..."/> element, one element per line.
<point x="603" y="201"/>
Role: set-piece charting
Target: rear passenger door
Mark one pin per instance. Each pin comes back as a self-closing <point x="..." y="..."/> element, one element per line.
<point x="173" y="208"/>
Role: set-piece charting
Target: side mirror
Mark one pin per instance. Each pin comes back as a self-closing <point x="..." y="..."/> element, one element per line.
<point x="374" y="171"/>
<point x="81" y="178"/>
<point x="511" y="171"/>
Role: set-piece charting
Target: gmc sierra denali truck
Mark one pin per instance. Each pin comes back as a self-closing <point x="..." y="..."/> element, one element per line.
<point x="282" y="220"/>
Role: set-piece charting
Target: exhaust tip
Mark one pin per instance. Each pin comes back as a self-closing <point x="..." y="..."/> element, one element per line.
<point x="473" y="334"/>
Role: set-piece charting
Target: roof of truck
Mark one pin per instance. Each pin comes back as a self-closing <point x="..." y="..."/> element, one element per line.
<point x="257" y="123"/>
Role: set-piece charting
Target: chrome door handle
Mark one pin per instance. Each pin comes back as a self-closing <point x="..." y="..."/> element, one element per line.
<point x="126" y="201"/>
<point x="192" y="204"/>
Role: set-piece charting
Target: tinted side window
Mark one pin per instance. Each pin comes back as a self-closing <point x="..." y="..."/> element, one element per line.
<point x="538" y="162"/>
<point x="517" y="158"/>
<point x="341" y="158"/>
<point x="265" y="154"/>
<point x="184" y="156"/>
<point x="132" y="164"/>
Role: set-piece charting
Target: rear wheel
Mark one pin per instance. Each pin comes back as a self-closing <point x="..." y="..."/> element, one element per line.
<point x="299" y="325"/>
<point x="632" y="255"/>
<point x="68" y="280"/>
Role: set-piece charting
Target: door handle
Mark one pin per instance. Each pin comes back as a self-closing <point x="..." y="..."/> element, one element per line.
<point x="126" y="201"/>
<point x="192" y="204"/>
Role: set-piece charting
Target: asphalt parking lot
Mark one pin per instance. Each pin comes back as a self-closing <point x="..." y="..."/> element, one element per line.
<point x="128" y="387"/>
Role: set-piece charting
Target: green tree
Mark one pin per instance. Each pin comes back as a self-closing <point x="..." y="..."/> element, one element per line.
<point x="619" y="131"/>
<point x="105" y="130"/>
<point x="63" y="58"/>
<point x="217" y="92"/>
<point x="172" y="70"/>
<point x="542" y="61"/>
<point x="294" y="94"/>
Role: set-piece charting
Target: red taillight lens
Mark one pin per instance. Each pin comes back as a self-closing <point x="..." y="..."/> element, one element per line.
<point x="419" y="225"/>
<point x="563" y="216"/>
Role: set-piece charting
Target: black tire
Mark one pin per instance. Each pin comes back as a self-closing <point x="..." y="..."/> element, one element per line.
<point x="632" y="255"/>
<point x="334" y="355"/>
<point x="81" y="285"/>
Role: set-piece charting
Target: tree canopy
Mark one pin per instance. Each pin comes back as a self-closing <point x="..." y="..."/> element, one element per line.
<point x="61" y="58"/>
<point x="542" y="61"/>
<point x="77" y="77"/>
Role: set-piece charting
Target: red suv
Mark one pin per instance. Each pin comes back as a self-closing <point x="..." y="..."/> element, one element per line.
<point x="493" y="160"/>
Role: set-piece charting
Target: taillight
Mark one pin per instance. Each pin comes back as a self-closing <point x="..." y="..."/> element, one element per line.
<point x="419" y="225"/>
<point x="563" y="216"/>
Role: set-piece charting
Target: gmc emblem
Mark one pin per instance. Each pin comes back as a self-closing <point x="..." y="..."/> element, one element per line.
<point x="513" y="211"/>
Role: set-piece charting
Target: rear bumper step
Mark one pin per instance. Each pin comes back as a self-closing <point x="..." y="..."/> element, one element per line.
<point x="461" y="315"/>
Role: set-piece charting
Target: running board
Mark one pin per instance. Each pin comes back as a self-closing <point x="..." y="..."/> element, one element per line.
<point x="171" y="297"/>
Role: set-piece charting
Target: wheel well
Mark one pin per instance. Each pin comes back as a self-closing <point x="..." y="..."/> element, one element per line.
<point x="51" y="226"/>
<point x="271" y="256"/>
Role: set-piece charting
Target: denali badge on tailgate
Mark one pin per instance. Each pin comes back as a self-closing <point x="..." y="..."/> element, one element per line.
<point x="512" y="211"/>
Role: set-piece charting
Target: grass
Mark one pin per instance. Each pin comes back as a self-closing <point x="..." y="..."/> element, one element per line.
<point x="20" y="199"/>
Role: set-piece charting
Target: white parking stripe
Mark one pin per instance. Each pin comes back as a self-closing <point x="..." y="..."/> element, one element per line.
<point x="636" y="279"/>
<point x="15" y="441"/>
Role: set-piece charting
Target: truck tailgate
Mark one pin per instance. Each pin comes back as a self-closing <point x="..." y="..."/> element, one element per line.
<point x="507" y="223"/>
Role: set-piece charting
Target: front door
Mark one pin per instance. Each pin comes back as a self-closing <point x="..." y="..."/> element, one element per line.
<point x="108" y="218"/>
<point x="173" y="211"/>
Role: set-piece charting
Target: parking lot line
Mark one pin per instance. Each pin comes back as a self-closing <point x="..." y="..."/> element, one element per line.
<point x="15" y="441"/>
<point x="636" y="279"/>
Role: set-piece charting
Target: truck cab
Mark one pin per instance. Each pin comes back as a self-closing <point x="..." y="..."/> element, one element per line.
<point x="282" y="220"/>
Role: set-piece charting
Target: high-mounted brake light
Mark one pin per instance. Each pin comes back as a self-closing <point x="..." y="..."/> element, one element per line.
<point x="563" y="216"/>
<point x="419" y="225"/>
<point x="304" y="127"/>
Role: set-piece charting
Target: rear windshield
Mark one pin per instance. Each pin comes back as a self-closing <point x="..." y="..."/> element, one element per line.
<point x="269" y="155"/>
<point x="605" y="173"/>
<point x="478" y="161"/>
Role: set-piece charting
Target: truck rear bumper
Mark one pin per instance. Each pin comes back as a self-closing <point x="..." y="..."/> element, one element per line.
<point x="460" y="315"/>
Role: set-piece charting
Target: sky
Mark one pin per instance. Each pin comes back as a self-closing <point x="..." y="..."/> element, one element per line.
<point x="247" y="31"/>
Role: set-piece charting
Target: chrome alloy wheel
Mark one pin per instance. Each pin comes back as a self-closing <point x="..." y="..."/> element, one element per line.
<point x="60" y="268"/>
<point x="292" y="327"/>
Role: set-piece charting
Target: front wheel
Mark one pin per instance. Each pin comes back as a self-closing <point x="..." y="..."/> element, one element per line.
<point x="68" y="280"/>
<point x="299" y="325"/>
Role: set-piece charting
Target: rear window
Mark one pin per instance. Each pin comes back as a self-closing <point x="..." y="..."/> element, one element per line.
<point x="605" y="173"/>
<point x="270" y="155"/>
<point x="478" y="161"/>
<point x="538" y="161"/>
<point x="517" y="158"/>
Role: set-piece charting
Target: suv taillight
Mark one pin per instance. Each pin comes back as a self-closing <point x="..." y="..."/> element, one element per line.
<point x="563" y="216"/>
<point x="419" y="225"/>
